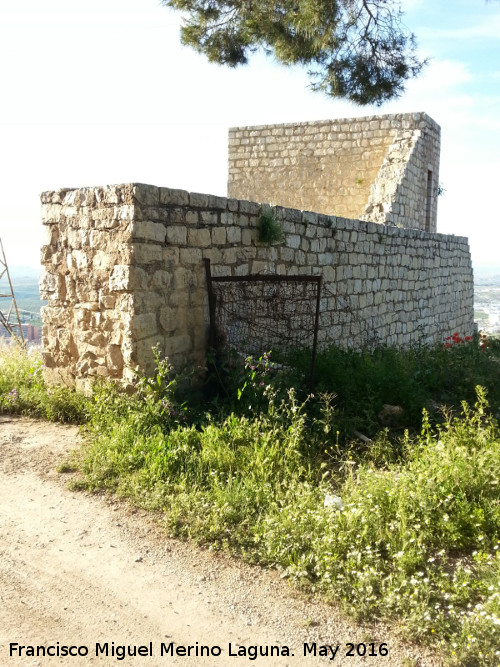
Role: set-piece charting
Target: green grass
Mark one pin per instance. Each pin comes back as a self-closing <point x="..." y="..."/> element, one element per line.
<point x="406" y="530"/>
<point x="415" y="379"/>
<point x="23" y="390"/>
<point x="416" y="542"/>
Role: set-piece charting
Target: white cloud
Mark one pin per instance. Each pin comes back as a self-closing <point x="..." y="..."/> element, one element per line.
<point x="468" y="207"/>
<point x="411" y="5"/>
<point x="488" y="29"/>
<point x="441" y="75"/>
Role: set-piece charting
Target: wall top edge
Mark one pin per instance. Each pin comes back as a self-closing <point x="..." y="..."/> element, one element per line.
<point x="417" y="116"/>
<point x="151" y="196"/>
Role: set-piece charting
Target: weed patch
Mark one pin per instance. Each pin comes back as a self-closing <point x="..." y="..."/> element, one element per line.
<point x="413" y="540"/>
<point x="23" y="390"/>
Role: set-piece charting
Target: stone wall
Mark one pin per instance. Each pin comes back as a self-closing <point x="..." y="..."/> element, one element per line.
<point x="124" y="271"/>
<point x="381" y="169"/>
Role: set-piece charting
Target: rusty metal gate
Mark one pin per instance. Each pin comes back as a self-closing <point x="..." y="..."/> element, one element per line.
<point x="257" y="313"/>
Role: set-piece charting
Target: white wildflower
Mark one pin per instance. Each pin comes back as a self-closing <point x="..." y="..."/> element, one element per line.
<point x="335" y="502"/>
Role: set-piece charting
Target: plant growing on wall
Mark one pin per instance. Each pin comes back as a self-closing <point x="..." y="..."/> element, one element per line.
<point x="269" y="228"/>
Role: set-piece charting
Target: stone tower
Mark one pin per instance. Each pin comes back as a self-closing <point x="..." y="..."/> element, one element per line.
<point x="382" y="169"/>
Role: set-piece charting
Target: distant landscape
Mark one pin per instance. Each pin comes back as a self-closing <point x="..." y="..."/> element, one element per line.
<point x="487" y="301"/>
<point x="486" y="297"/>
<point x="25" y="284"/>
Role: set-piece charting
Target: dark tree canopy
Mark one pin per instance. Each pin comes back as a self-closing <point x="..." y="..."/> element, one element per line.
<point x="354" y="49"/>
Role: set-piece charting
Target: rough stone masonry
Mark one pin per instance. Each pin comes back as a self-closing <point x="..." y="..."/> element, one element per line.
<point x="124" y="272"/>
<point x="379" y="168"/>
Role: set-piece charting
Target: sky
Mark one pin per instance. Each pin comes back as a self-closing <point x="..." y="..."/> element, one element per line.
<point x="95" y="92"/>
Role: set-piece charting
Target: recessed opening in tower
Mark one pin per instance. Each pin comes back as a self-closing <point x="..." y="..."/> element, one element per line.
<point x="428" y="205"/>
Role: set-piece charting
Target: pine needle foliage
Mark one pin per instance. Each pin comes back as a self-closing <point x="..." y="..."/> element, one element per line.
<point x="359" y="50"/>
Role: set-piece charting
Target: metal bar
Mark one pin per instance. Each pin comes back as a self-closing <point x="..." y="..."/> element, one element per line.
<point x="10" y="330"/>
<point x="211" y="303"/>
<point x="315" y="338"/>
<point x="23" y="343"/>
<point x="265" y="278"/>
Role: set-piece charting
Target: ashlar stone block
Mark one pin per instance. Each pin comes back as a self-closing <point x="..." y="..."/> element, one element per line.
<point x="148" y="230"/>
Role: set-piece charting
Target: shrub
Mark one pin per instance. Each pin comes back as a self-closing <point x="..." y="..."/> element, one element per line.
<point x="269" y="229"/>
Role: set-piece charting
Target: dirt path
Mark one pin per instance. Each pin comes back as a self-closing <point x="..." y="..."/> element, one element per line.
<point x="83" y="570"/>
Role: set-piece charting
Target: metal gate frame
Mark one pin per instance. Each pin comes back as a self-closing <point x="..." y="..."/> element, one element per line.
<point x="265" y="278"/>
